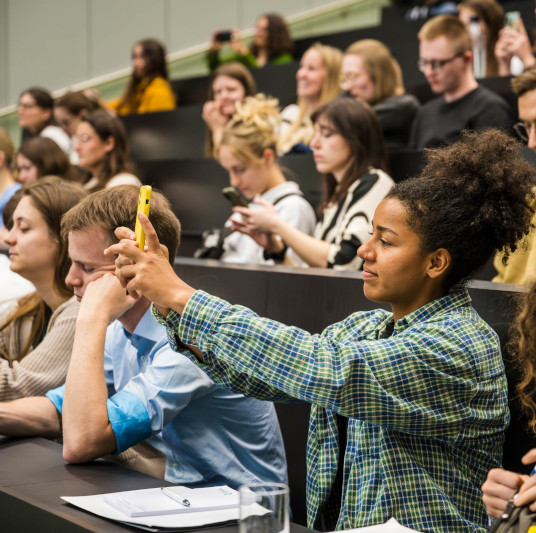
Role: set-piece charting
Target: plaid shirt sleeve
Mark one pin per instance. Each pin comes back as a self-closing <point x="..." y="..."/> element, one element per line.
<point x="219" y="371"/>
<point x="415" y="381"/>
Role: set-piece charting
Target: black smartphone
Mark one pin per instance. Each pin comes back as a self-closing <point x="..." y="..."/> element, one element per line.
<point x="224" y="36"/>
<point x="235" y="196"/>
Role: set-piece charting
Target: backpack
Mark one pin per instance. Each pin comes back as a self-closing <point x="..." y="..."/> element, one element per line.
<point x="515" y="520"/>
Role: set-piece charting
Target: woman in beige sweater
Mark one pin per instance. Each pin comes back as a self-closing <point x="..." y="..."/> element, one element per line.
<point x="36" y="337"/>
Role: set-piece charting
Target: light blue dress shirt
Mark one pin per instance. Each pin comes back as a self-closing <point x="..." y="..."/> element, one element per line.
<point x="209" y="435"/>
<point x="6" y="196"/>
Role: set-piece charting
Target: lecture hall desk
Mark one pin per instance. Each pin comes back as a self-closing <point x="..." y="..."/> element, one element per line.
<point x="33" y="476"/>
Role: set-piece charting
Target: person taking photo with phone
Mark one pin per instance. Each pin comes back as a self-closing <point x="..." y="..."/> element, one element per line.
<point x="272" y="44"/>
<point x="408" y="407"/>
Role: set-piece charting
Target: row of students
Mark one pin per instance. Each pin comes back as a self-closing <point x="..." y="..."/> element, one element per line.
<point x="153" y="395"/>
<point x="429" y="236"/>
<point x="101" y="145"/>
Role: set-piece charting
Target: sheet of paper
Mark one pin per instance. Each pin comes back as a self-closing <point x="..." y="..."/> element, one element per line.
<point x="96" y="504"/>
<point x="168" y="500"/>
<point x="391" y="526"/>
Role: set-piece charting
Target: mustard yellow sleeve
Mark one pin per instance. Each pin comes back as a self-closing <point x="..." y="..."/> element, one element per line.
<point x="114" y="104"/>
<point x="157" y="97"/>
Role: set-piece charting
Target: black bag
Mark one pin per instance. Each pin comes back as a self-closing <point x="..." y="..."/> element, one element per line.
<point x="212" y="247"/>
<point x="514" y="520"/>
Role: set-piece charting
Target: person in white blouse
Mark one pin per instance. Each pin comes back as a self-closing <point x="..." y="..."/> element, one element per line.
<point x="248" y="151"/>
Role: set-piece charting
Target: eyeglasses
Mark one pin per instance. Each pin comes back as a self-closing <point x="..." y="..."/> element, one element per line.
<point x="436" y="65"/>
<point x="22" y="105"/>
<point x="348" y="77"/>
<point x="523" y="130"/>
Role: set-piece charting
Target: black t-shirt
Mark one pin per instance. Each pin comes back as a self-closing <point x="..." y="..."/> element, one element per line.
<point x="438" y="121"/>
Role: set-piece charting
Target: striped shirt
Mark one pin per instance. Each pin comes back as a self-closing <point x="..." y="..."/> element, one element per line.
<point x="426" y="405"/>
<point x="347" y="225"/>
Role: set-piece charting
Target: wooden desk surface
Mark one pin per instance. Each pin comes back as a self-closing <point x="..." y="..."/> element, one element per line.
<point x="33" y="476"/>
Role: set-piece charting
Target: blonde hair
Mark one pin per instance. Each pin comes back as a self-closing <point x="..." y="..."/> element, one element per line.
<point x="253" y="128"/>
<point x="7" y="146"/>
<point x="450" y="27"/>
<point x="381" y="66"/>
<point x="331" y="61"/>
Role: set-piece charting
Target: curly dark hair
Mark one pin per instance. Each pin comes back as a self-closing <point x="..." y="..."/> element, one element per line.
<point x="522" y="347"/>
<point x="472" y="198"/>
<point x="279" y="39"/>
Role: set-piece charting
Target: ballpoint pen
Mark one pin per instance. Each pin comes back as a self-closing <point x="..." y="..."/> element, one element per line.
<point x="176" y="497"/>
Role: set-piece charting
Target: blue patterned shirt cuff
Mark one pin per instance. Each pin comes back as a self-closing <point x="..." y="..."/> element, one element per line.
<point x="56" y="397"/>
<point x="171" y="322"/>
<point x="129" y="419"/>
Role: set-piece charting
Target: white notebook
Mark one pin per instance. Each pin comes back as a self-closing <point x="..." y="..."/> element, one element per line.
<point x="172" y="500"/>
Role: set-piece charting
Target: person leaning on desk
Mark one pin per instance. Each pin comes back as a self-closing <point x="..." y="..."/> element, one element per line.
<point x="125" y="385"/>
<point x="409" y="408"/>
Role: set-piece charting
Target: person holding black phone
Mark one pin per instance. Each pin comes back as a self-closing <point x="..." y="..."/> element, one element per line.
<point x="272" y="44"/>
<point x="248" y="151"/>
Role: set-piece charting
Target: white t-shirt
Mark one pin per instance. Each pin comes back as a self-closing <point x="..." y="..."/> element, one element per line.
<point x="123" y="178"/>
<point x="12" y="287"/>
<point x="294" y="209"/>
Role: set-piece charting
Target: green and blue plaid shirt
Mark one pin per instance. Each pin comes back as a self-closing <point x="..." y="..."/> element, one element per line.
<point x="426" y="406"/>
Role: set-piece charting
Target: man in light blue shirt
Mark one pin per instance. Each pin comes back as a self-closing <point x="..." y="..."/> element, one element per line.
<point x="208" y="435"/>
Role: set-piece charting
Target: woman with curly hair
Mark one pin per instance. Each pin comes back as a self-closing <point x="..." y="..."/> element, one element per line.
<point x="501" y="485"/>
<point x="408" y="407"/>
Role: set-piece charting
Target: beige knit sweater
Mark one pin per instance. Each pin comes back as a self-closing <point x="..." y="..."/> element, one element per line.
<point x="45" y="367"/>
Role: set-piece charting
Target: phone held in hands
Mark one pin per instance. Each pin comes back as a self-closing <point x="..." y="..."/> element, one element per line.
<point x="224" y="36"/>
<point x="235" y="196"/>
<point x="511" y="20"/>
<point x="144" y="202"/>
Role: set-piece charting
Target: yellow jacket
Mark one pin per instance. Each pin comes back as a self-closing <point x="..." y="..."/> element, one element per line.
<point x="150" y="96"/>
<point x="521" y="265"/>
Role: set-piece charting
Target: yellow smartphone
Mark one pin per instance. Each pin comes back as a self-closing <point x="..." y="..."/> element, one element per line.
<point x="144" y="202"/>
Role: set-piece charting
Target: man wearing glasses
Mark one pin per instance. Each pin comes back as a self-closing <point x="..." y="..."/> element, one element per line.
<point x="521" y="265"/>
<point x="446" y="60"/>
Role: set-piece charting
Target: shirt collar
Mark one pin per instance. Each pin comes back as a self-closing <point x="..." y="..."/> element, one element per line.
<point x="446" y="303"/>
<point x="148" y="328"/>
